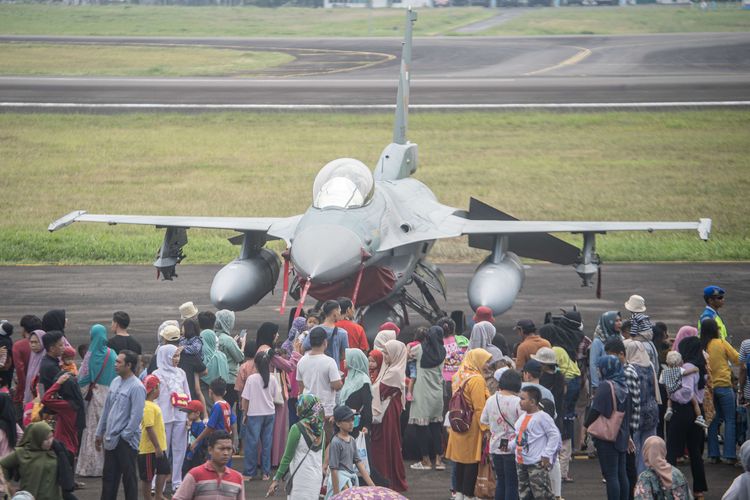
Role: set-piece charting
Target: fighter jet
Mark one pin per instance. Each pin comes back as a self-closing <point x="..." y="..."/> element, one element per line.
<point x="368" y="234"/>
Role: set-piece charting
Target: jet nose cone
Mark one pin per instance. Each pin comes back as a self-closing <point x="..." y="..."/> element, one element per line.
<point x="328" y="253"/>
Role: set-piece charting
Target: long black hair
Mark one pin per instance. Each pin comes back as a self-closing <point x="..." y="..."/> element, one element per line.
<point x="709" y="331"/>
<point x="263" y="365"/>
<point x="191" y="328"/>
<point x="691" y="351"/>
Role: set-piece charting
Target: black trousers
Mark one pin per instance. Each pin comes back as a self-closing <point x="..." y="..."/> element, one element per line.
<point x="682" y="432"/>
<point x="466" y="478"/>
<point x="120" y="463"/>
<point x="632" y="473"/>
<point x="430" y="439"/>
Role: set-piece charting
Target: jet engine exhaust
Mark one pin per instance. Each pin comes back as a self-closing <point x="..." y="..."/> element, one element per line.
<point x="496" y="285"/>
<point x="243" y="282"/>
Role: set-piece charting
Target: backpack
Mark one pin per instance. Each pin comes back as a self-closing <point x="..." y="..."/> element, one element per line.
<point x="460" y="412"/>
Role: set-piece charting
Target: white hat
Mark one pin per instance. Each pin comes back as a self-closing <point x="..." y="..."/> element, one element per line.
<point x="546" y="356"/>
<point x="636" y="304"/>
<point x="188" y="310"/>
<point x="170" y="333"/>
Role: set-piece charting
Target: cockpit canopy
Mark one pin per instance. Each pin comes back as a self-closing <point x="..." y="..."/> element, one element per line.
<point x="343" y="183"/>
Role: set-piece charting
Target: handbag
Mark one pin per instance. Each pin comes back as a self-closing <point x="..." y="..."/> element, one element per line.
<point x="90" y="389"/>
<point x="278" y="397"/>
<point x="486" y="483"/>
<point x="605" y="428"/>
<point x="289" y="482"/>
<point x="180" y="401"/>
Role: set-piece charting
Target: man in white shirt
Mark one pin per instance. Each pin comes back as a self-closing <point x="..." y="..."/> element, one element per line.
<point x="319" y="374"/>
<point x="537" y="444"/>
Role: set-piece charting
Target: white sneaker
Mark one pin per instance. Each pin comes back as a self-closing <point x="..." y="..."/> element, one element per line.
<point x="668" y="414"/>
<point x="459" y="496"/>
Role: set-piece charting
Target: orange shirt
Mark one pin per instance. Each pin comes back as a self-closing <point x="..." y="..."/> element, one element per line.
<point x="530" y="345"/>
<point x="357" y="337"/>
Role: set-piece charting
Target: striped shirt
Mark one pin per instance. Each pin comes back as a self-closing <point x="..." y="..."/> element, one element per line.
<point x="204" y="483"/>
<point x="640" y="324"/>
<point x="634" y="389"/>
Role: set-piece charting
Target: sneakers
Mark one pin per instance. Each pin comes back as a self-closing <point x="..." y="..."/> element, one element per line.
<point x="699" y="420"/>
<point x="668" y="415"/>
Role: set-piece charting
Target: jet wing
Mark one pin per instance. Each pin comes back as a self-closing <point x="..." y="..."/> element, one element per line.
<point x="275" y="227"/>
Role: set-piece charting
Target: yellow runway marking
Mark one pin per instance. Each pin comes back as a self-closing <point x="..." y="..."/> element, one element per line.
<point x="582" y="54"/>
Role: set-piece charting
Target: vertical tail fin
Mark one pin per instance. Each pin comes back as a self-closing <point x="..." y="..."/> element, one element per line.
<point x="401" y="122"/>
<point x="399" y="159"/>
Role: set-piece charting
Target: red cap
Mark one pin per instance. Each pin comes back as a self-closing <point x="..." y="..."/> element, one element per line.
<point x="390" y="325"/>
<point x="151" y="382"/>
<point x="194" y="406"/>
<point x="483" y="313"/>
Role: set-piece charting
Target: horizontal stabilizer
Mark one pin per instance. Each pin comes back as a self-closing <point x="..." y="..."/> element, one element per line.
<point x="540" y="246"/>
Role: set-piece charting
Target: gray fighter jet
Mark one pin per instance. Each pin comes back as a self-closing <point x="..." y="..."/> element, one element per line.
<point x="368" y="234"/>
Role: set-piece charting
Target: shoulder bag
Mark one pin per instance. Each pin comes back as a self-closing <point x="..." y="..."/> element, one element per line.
<point x="605" y="428"/>
<point x="289" y="482"/>
<point x="90" y="389"/>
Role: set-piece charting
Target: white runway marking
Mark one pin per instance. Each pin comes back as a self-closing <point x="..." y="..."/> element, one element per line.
<point x="369" y="107"/>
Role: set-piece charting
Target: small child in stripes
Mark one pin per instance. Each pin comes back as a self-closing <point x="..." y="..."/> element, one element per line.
<point x="671" y="377"/>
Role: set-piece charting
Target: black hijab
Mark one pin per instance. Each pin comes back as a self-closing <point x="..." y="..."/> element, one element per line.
<point x="70" y="391"/>
<point x="691" y="351"/>
<point x="266" y="334"/>
<point x="433" y="351"/>
<point x="8" y="419"/>
<point x="54" y="320"/>
<point x="566" y="333"/>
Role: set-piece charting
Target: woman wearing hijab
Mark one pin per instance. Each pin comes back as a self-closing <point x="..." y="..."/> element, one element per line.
<point x="357" y="390"/>
<point x="172" y="380"/>
<point x="268" y="334"/>
<point x="382" y="338"/>
<point x="465" y="449"/>
<point x="9" y="430"/>
<point x="35" y="362"/>
<point x="35" y="463"/>
<point x="636" y="355"/>
<point x="607" y="328"/>
<point x="681" y="429"/>
<point x="375" y="363"/>
<point x="482" y="335"/>
<point x="387" y="404"/>
<point x="303" y="455"/>
<point x="683" y="333"/>
<point x="612" y="454"/>
<point x="96" y="373"/>
<point x="299" y="325"/>
<point x="426" y="411"/>
<point x="740" y="488"/>
<point x="215" y="361"/>
<point x="660" y="479"/>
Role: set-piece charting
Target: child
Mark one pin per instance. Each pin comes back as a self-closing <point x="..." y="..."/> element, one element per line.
<point x="152" y="454"/>
<point x="221" y="417"/>
<point x="537" y="441"/>
<point x="671" y="377"/>
<point x="500" y="413"/>
<point x="411" y="365"/>
<point x="374" y="363"/>
<point x="69" y="361"/>
<point x="261" y="389"/>
<point x="195" y="427"/>
<point x="343" y="458"/>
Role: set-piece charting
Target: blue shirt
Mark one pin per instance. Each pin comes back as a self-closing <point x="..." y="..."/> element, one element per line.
<point x="122" y="413"/>
<point x="195" y="430"/>
<point x="216" y="418"/>
<point x="596" y="351"/>
<point x="336" y="345"/>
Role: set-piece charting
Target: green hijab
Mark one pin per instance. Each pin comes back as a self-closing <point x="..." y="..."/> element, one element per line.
<point x="310" y="423"/>
<point x="358" y="375"/>
<point x="215" y="360"/>
<point x="38" y="467"/>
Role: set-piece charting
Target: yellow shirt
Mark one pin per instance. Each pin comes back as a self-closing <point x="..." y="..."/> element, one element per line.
<point x="567" y="367"/>
<point x="720" y="353"/>
<point x="152" y="418"/>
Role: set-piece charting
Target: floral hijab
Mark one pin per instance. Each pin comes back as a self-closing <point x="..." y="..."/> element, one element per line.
<point x="310" y="423"/>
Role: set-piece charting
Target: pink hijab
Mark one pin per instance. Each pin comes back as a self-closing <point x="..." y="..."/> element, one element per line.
<point x="683" y="333"/>
<point x="655" y="458"/>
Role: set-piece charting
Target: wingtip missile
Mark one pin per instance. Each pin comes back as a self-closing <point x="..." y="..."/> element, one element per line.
<point x="65" y="221"/>
<point x="704" y="229"/>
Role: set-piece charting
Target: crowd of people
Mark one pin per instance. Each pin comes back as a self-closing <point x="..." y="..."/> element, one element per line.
<point x="319" y="406"/>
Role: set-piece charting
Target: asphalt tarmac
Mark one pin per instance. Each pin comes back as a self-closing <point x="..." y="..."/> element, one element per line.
<point x="696" y="67"/>
<point x="672" y="292"/>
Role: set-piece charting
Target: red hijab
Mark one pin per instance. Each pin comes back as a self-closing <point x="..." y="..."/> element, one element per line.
<point x="377" y="356"/>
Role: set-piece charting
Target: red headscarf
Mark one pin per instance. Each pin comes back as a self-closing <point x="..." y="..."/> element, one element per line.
<point x="377" y="356"/>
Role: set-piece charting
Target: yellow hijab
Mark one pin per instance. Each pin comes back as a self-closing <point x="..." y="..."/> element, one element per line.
<point x="474" y="361"/>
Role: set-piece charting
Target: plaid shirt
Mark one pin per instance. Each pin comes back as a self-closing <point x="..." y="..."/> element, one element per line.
<point x="671" y="377"/>
<point x="634" y="389"/>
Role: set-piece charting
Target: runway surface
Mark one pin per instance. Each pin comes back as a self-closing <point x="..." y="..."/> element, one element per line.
<point x="672" y="291"/>
<point x="705" y="67"/>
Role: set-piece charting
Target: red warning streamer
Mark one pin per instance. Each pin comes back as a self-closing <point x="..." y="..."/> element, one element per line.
<point x="285" y="294"/>
<point x="302" y="298"/>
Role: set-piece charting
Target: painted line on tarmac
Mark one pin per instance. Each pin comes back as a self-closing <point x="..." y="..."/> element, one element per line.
<point x="582" y="54"/>
<point x="368" y="107"/>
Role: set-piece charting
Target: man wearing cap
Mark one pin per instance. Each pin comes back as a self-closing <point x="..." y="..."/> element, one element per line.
<point x="530" y="344"/>
<point x="714" y="297"/>
<point x="484" y="313"/>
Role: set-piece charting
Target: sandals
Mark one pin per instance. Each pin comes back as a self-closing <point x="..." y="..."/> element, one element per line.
<point x="419" y="466"/>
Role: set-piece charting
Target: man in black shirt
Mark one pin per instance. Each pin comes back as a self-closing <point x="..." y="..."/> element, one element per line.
<point x="122" y="339"/>
<point x="50" y="366"/>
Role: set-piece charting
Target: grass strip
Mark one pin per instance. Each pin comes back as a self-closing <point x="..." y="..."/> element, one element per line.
<point x="87" y="60"/>
<point x="680" y="165"/>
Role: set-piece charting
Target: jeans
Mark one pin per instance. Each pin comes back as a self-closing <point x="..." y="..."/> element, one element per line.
<point x="120" y="463"/>
<point x="258" y="428"/>
<point x="506" y="476"/>
<point x="725" y="412"/>
<point x="612" y="463"/>
<point x="639" y="438"/>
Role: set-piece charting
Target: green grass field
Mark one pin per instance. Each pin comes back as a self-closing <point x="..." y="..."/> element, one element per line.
<point x="82" y="60"/>
<point x="139" y="20"/>
<point x="680" y="165"/>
